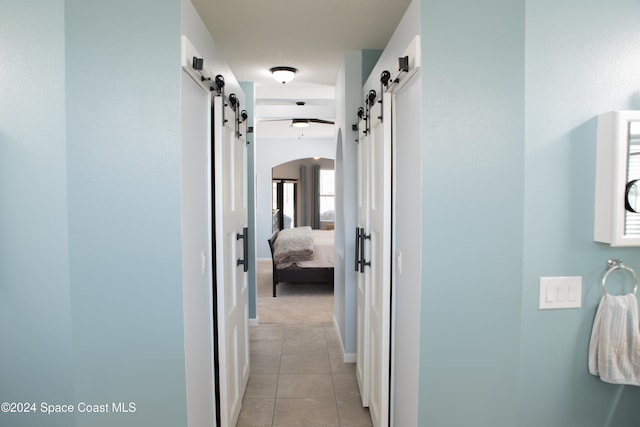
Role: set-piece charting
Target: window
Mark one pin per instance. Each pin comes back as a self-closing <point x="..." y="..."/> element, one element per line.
<point x="283" y="203"/>
<point x="327" y="195"/>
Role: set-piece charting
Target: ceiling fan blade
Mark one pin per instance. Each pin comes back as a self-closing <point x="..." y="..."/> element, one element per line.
<point x="324" y="122"/>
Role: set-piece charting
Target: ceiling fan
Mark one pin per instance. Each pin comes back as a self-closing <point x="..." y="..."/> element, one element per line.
<point x="301" y="123"/>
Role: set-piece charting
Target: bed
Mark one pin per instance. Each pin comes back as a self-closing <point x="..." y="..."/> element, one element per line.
<point x="301" y="260"/>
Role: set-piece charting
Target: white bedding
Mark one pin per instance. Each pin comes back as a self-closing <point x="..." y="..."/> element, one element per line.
<point x="322" y="252"/>
<point x="293" y="244"/>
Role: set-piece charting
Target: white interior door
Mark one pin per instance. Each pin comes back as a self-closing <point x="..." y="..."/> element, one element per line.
<point x="197" y="293"/>
<point x="362" y="304"/>
<point x="373" y="244"/>
<point x="230" y="214"/>
<point x="407" y="272"/>
<point x="380" y="255"/>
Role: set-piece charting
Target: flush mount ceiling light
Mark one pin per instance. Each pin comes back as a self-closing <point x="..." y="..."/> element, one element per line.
<point x="283" y="74"/>
<point x="300" y="123"/>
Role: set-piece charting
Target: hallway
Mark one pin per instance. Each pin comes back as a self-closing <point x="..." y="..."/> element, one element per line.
<point x="298" y="378"/>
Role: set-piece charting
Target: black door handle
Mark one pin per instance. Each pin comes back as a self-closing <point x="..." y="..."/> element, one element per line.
<point x="245" y="249"/>
<point x="357" y="257"/>
<point x="363" y="237"/>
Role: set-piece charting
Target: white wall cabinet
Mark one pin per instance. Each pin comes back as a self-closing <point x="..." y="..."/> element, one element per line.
<point x="617" y="198"/>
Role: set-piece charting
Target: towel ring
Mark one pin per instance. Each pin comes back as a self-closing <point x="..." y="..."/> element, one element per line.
<point x="616" y="264"/>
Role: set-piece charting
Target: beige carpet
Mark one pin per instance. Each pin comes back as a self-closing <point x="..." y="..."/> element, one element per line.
<point x="295" y="303"/>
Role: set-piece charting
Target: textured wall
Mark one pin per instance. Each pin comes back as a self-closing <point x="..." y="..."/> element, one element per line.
<point x="35" y="332"/>
<point x="472" y="211"/>
<point x="123" y="152"/>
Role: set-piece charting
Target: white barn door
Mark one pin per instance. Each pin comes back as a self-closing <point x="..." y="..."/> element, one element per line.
<point x="232" y="290"/>
<point x="375" y="236"/>
<point x="196" y="254"/>
<point x="380" y="268"/>
<point x="364" y="280"/>
<point x="374" y="259"/>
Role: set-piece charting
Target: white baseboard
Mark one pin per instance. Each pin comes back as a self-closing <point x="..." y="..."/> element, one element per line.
<point x="346" y="357"/>
<point x="335" y="326"/>
<point x="254" y="322"/>
<point x="350" y="358"/>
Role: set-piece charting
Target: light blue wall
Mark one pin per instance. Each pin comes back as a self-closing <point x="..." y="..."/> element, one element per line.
<point x="35" y="319"/>
<point x="339" y="279"/>
<point x="348" y="99"/>
<point x="582" y="60"/>
<point x="123" y="151"/>
<point x="510" y="95"/>
<point x="248" y="89"/>
<point x="369" y="59"/>
<point x="91" y="274"/>
<point x="473" y="159"/>
<point x="90" y="264"/>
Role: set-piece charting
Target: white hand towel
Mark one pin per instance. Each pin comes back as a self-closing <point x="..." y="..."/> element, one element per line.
<point x="614" y="350"/>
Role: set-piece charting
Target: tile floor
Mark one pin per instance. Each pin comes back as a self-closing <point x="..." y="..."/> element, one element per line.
<point x="298" y="379"/>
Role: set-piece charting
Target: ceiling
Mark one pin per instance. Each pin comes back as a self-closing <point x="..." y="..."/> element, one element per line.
<point x="310" y="35"/>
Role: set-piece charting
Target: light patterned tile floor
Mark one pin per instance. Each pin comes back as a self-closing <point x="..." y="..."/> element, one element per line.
<point x="298" y="379"/>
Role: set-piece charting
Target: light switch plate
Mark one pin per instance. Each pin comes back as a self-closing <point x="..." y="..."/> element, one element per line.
<point x="560" y="292"/>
